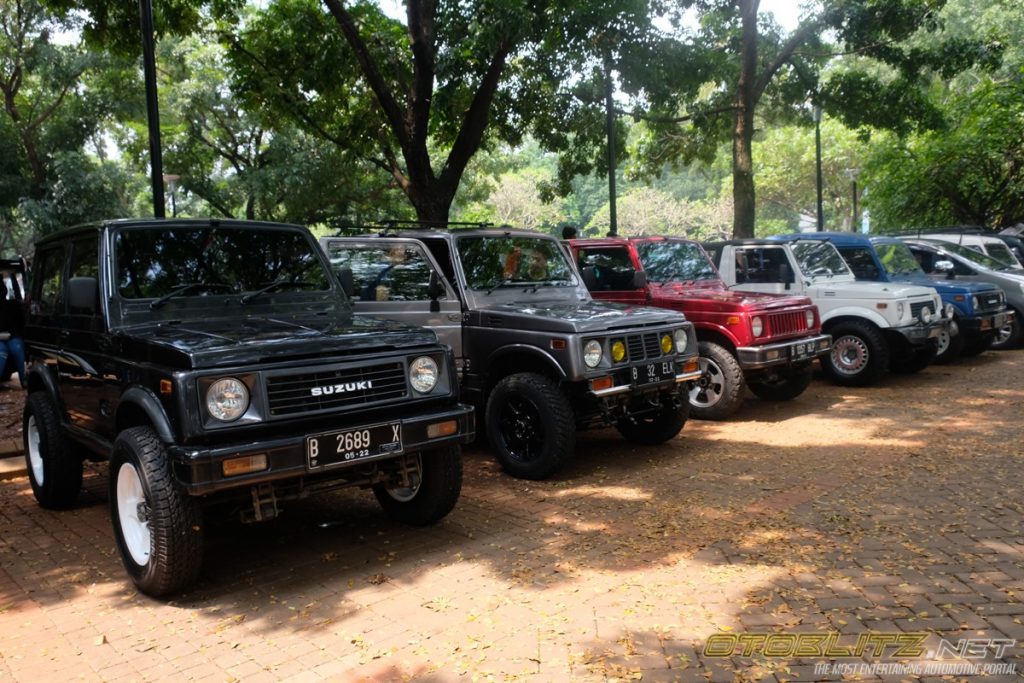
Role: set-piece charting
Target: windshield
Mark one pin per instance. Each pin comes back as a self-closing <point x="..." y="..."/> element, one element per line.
<point x="819" y="258"/>
<point x="971" y="255"/>
<point x="671" y="260"/>
<point x="898" y="259"/>
<point x="1001" y="252"/>
<point x="496" y="261"/>
<point x="159" y="262"/>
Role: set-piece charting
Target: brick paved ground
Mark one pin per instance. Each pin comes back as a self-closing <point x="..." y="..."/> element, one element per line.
<point x="889" y="509"/>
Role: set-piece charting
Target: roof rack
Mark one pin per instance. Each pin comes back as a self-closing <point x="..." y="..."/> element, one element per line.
<point x="386" y="227"/>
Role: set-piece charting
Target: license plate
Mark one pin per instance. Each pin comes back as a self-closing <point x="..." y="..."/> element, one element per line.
<point x="801" y="351"/>
<point x="351" y="445"/>
<point x="653" y="372"/>
<point x="999" y="320"/>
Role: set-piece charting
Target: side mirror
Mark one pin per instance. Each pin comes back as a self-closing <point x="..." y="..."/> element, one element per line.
<point x="786" y="274"/>
<point x="589" y="276"/>
<point x="435" y="288"/>
<point x="346" y="281"/>
<point x="84" y="295"/>
<point x="946" y="267"/>
<point x="639" y="279"/>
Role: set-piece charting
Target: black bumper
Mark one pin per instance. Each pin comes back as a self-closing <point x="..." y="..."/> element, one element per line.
<point x="919" y="335"/>
<point x="785" y="353"/>
<point x="200" y="470"/>
<point x="984" y="323"/>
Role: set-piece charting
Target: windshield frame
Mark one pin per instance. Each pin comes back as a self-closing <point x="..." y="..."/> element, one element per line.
<point x="643" y="246"/>
<point x="843" y="272"/>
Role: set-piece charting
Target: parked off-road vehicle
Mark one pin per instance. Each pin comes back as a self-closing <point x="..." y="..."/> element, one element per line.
<point x="535" y="352"/>
<point x="875" y="327"/>
<point x="219" y="362"/>
<point x="975" y="310"/>
<point x="763" y="341"/>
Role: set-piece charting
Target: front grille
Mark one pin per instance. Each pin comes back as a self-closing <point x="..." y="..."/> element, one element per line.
<point x="990" y="301"/>
<point x="641" y="346"/>
<point x="915" y="309"/>
<point x="790" y="322"/>
<point x="341" y="388"/>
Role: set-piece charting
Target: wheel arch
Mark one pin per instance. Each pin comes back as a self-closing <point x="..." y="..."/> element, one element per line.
<point x="140" y="408"/>
<point x="40" y="378"/>
<point x="862" y="319"/>
<point x="718" y="337"/>
<point x="521" y="358"/>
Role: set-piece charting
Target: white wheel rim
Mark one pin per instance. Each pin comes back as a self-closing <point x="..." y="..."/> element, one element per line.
<point x="1003" y="334"/>
<point x="404" y="494"/>
<point x="35" y="458"/>
<point x="944" y="339"/>
<point x="132" y="514"/>
<point x="849" y="355"/>
<point x="708" y="390"/>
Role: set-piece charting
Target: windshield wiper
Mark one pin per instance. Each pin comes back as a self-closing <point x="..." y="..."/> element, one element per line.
<point x="499" y="283"/>
<point x="276" y="284"/>
<point x="181" y="290"/>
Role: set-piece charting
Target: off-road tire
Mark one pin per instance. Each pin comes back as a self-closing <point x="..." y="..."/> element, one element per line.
<point x="655" y="429"/>
<point x="435" y="494"/>
<point x="949" y="347"/>
<point x="54" y="467"/>
<point x="719" y="391"/>
<point x="862" y="338"/>
<point x="916" y="361"/>
<point x="530" y="425"/>
<point x="977" y="345"/>
<point x="173" y="518"/>
<point x="785" y="387"/>
<point x="1010" y="336"/>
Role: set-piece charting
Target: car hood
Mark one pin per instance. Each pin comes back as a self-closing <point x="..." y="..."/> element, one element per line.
<point x="727" y="299"/>
<point x="871" y="290"/>
<point x="572" y="317"/>
<point x="944" y="286"/>
<point x="217" y="343"/>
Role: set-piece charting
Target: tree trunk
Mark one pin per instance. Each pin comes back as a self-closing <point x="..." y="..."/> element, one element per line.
<point x="744" y="210"/>
<point x="431" y="200"/>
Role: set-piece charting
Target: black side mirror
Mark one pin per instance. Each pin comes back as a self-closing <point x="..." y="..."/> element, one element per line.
<point x="786" y="274"/>
<point x="84" y="295"/>
<point x="589" y="276"/>
<point x="947" y="267"/>
<point x="435" y="289"/>
<point x="346" y="281"/>
<point x="639" y="279"/>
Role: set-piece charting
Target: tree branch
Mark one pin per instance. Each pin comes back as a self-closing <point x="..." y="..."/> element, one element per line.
<point x="784" y="55"/>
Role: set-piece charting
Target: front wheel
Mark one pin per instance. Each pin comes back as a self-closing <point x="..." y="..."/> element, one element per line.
<point x="950" y="344"/>
<point x="655" y="429"/>
<point x="1009" y="335"/>
<point x="860" y="355"/>
<point x="530" y="425"/>
<point x="785" y="386"/>
<point x="425" y="489"/>
<point x="718" y="393"/>
<point x="158" y="527"/>
<point x="54" y="469"/>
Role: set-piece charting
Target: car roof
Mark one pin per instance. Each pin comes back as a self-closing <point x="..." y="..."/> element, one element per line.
<point x="445" y="234"/>
<point x="845" y="239"/>
<point x="69" y="233"/>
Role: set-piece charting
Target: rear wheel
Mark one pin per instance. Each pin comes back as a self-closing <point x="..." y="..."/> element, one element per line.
<point x="426" y="488"/>
<point x="718" y="393"/>
<point x="1008" y="336"/>
<point x="655" y="429"/>
<point x="158" y="527"/>
<point x="54" y="468"/>
<point x="530" y="425"/>
<point x="860" y="355"/>
<point x="785" y="387"/>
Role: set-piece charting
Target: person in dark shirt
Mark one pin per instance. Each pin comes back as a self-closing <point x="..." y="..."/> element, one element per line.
<point x="12" y="326"/>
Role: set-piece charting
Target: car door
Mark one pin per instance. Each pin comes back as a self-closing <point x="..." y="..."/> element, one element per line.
<point x="613" y="273"/>
<point x="392" y="279"/>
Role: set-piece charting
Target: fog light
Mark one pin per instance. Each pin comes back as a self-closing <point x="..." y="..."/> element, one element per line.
<point x="772" y="355"/>
<point x="601" y="383"/>
<point x="666" y="344"/>
<point x="250" y="463"/>
<point x="618" y="351"/>
<point x="442" y="429"/>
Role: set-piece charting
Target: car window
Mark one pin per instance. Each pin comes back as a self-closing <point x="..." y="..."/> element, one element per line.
<point x="154" y="261"/>
<point x="493" y="261"/>
<point x="862" y="262"/>
<point x="385" y="272"/>
<point x="613" y="269"/>
<point x="673" y="260"/>
<point x="973" y="256"/>
<point x="819" y="258"/>
<point x="1000" y="251"/>
<point x="47" y="281"/>
<point x="762" y="265"/>
<point x="84" y="264"/>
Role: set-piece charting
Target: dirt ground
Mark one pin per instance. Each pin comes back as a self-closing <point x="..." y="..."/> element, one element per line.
<point x="896" y="509"/>
<point x="12" y="400"/>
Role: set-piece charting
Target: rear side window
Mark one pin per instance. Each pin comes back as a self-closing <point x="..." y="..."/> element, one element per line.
<point x="48" y="279"/>
<point x="613" y="269"/>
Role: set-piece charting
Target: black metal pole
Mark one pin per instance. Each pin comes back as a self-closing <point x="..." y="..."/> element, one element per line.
<point x="156" y="161"/>
<point x="610" y="124"/>
<point x="856" y="223"/>
<point x="817" y="159"/>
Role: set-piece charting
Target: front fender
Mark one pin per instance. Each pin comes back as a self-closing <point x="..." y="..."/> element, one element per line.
<point x="40" y="377"/>
<point x="855" y="312"/>
<point x="495" y="359"/>
<point x="139" y="398"/>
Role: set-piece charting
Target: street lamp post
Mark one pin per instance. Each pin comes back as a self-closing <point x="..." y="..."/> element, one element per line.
<point x="609" y="114"/>
<point x="172" y="186"/>
<point x="817" y="160"/>
<point x="152" y="107"/>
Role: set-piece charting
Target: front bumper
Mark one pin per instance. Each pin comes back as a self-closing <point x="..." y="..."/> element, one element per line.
<point x="684" y="370"/>
<point x="785" y="353"/>
<point x="919" y="335"/>
<point x="985" y="323"/>
<point x="200" y="470"/>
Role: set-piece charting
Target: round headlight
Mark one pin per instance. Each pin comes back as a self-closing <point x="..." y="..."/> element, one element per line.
<point x="227" y="399"/>
<point x="810" y="317"/>
<point x="618" y="351"/>
<point x="950" y="311"/>
<point x="423" y="374"/>
<point x="926" y="315"/>
<point x="666" y="344"/>
<point x="900" y="308"/>
<point x="681" y="340"/>
<point x="592" y="353"/>
<point x="757" y="325"/>
<point x="975" y="304"/>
